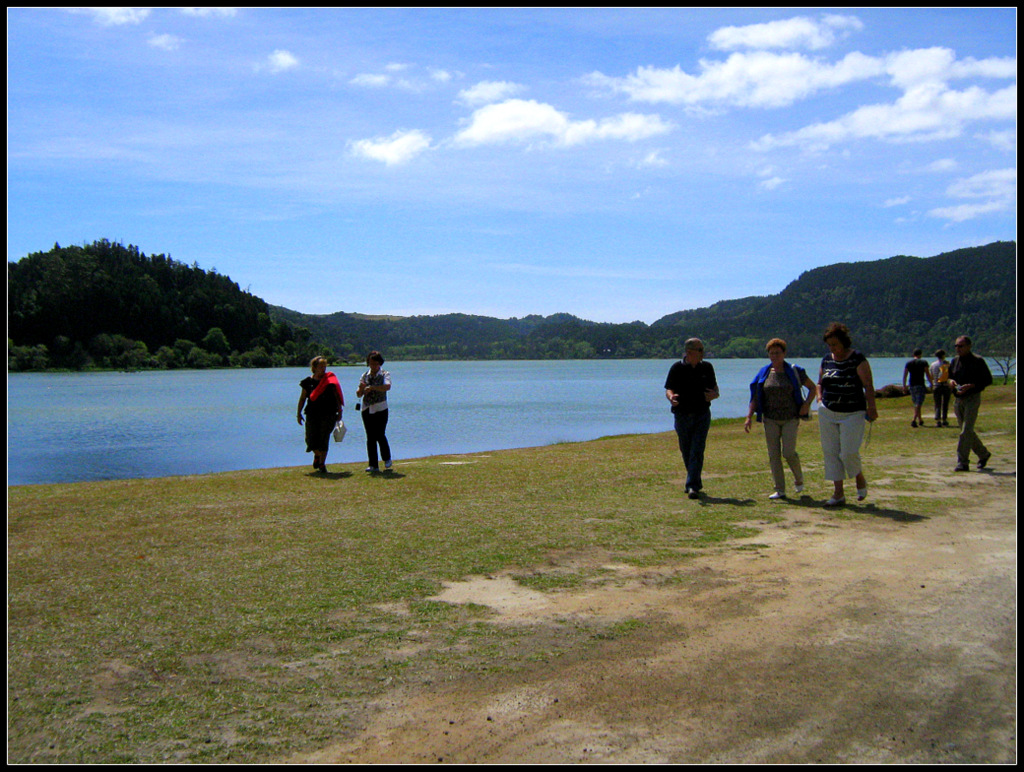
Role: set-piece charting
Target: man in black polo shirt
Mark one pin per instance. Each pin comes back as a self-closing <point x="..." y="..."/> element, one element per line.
<point x="969" y="376"/>
<point x="690" y="387"/>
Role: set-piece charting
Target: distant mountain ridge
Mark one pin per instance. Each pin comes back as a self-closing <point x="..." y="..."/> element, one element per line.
<point x="891" y="306"/>
<point x="107" y="305"/>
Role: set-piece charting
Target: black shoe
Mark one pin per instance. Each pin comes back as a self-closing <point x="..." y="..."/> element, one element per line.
<point x="693" y="494"/>
<point x="962" y="468"/>
<point x="983" y="461"/>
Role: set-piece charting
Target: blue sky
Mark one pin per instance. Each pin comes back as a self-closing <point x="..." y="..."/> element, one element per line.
<point x="616" y="164"/>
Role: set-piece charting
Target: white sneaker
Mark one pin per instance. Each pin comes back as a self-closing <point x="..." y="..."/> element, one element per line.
<point x="799" y="488"/>
<point x="777" y="495"/>
<point x="387" y="464"/>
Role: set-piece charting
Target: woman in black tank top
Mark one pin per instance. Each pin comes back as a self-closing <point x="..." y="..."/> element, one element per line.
<point x="846" y="392"/>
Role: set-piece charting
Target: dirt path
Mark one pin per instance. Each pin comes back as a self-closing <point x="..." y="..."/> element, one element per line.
<point x="883" y="639"/>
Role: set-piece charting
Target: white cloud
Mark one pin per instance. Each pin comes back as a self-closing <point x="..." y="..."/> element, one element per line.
<point x="897" y="201"/>
<point x="631" y="127"/>
<point x="653" y="160"/>
<point x="927" y="109"/>
<point x="772" y="183"/>
<point x="926" y="112"/>
<point x="371" y="80"/>
<point x="514" y="119"/>
<point x="488" y="91"/>
<point x="766" y="79"/>
<point x="799" y="32"/>
<point x="1001" y="140"/>
<point x="924" y="65"/>
<point x="280" y="61"/>
<point x="999" y="183"/>
<point x="932" y="67"/>
<point x="999" y="186"/>
<point x="963" y="212"/>
<point x="115" y="17"/>
<point x="166" y="42"/>
<point x="399" y="148"/>
<point x="206" y="12"/>
<point x="518" y="120"/>
<point x="770" y="178"/>
<point x="757" y="79"/>
<point x="394" y="77"/>
<point x="942" y="165"/>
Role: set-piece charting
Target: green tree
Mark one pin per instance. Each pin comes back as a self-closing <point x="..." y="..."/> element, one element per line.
<point x="216" y="342"/>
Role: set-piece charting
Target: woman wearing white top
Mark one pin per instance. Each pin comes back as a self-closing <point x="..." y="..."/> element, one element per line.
<point x="374" y="386"/>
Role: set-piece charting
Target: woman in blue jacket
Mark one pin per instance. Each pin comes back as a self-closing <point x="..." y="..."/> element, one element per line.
<point x="776" y="397"/>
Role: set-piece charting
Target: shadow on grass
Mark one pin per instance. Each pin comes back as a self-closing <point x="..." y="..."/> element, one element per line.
<point x="864" y="508"/>
<point x="386" y="474"/>
<point x="899" y="515"/>
<point x="329" y="475"/>
<point x="704" y="500"/>
<point x="807" y="502"/>
<point x="994" y="473"/>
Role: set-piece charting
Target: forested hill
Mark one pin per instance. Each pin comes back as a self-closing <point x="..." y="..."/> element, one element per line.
<point x="107" y="305"/>
<point x="892" y="306"/>
<point x="112" y="306"/>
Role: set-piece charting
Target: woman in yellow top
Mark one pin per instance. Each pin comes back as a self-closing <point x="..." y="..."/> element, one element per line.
<point x="941" y="391"/>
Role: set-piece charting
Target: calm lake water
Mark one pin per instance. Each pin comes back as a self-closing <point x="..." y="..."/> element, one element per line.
<point x="72" y="427"/>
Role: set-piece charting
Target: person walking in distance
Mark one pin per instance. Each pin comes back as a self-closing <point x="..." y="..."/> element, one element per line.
<point x="916" y="370"/>
<point x="968" y="376"/>
<point x="941" y="392"/>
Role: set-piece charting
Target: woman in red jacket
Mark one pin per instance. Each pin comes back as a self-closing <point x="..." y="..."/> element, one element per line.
<point x="321" y="395"/>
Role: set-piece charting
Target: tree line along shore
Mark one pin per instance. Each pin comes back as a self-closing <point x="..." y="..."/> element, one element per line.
<point x="109" y="306"/>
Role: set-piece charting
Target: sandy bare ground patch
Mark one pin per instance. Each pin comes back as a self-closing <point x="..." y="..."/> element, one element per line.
<point x="827" y="638"/>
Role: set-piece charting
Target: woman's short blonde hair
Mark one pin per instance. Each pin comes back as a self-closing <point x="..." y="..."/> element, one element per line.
<point x="317" y="361"/>
<point x="775" y="342"/>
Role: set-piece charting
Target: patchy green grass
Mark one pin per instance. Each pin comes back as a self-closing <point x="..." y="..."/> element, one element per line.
<point x="244" y="616"/>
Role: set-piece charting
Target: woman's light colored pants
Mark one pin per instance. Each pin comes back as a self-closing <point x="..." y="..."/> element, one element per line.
<point x="780" y="436"/>
<point x="841" y="437"/>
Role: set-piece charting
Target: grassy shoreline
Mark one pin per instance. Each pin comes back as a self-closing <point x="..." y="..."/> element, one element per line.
<point x="242" y="616"/>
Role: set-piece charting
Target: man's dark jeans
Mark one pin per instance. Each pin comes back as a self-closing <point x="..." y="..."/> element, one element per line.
<point x="692" y="429"/>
